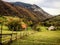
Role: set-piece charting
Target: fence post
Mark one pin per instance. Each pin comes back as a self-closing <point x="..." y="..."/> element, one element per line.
<point x="1" y="39"/>
<point x="1" y="32"/>
<point x="11" y="38"/>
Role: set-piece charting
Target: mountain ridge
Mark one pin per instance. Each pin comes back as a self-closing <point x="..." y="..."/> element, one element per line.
<point x="35" y="9"/>
<point x="9" y="9"/>
<point x="55" y="21"/>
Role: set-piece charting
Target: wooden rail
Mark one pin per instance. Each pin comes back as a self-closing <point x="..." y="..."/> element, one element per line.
<point x="14" y="36"/>
<point x="9" y="40"/>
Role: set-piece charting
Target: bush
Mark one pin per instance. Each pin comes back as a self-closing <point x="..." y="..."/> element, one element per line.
<point x="58" y="28"/>
<point x="14" y="25"/>
<point x="37" y="28"/>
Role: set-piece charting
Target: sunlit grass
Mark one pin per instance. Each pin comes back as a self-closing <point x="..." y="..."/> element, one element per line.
<point x="44" y="37"/>
<point x="15" y="34"/>
<point x="40" y="38"/>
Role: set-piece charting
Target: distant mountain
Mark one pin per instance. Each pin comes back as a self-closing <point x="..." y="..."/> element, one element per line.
<point x="54" y="21"/>
<point x="39" y="12"/>
<point x="21" y="4"/>
<point x="23" y="10"/>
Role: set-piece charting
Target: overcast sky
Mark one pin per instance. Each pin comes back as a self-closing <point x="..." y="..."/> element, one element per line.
<point x="50" y="6"/>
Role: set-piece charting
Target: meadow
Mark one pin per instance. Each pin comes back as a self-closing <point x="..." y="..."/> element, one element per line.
<point x="44" y="37"/>
<point x="40" y="38"/>
<point x="8" y="35"/>
<point x="30" y="36"/>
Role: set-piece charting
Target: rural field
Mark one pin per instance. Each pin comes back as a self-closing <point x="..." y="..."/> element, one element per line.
<point x="44" y="37"/>
<point x="30" y="22"/>
<point x="40" y="38"/>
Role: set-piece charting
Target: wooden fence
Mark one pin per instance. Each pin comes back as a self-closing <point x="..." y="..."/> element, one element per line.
<point x="13" y="37"/>
<point x="7" y="41"/>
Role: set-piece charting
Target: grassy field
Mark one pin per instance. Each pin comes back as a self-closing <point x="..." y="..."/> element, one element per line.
<point x="40" y="38"/>
<point x="15" y="35"/>
<point x="44" y="37"/>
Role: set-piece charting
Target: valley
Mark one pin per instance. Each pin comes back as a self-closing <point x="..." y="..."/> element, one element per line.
<point x="27" y="24"/>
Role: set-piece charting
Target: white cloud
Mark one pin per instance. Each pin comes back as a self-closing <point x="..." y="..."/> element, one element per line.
<point x="27" y="1"/>
<point x="51" y="11"/>
<point x="51" y="3"/>
<point x="56" y="4"/>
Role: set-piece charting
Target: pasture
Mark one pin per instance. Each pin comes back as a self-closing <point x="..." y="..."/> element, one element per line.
<point x="29" y="37"/>
<point x="11" y="36"/>
<point x="40" y="38"/>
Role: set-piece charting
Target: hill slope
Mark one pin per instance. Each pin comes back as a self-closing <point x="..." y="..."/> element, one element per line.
<point x="9" y="9"/>
<point x="36" y="10"/>
<point x="54" y="21"/>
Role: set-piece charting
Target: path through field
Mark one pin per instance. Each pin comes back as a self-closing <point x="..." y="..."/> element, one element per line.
<point x="40" y="38"/>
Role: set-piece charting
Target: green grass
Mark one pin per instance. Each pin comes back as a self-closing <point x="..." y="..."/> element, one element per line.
<point x="5" y="30"/>
<point x="6" y="38"/>
<point x="44" y="37"/>
<point x="4" y="27"/>
<point x="40" y="38"/>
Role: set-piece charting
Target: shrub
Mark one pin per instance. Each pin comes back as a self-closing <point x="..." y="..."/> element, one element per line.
<point x="14" y="25"/>
<point x="58" y="28"/>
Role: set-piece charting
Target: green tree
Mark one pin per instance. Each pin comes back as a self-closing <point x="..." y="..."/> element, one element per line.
<point x="14" y="25"/>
